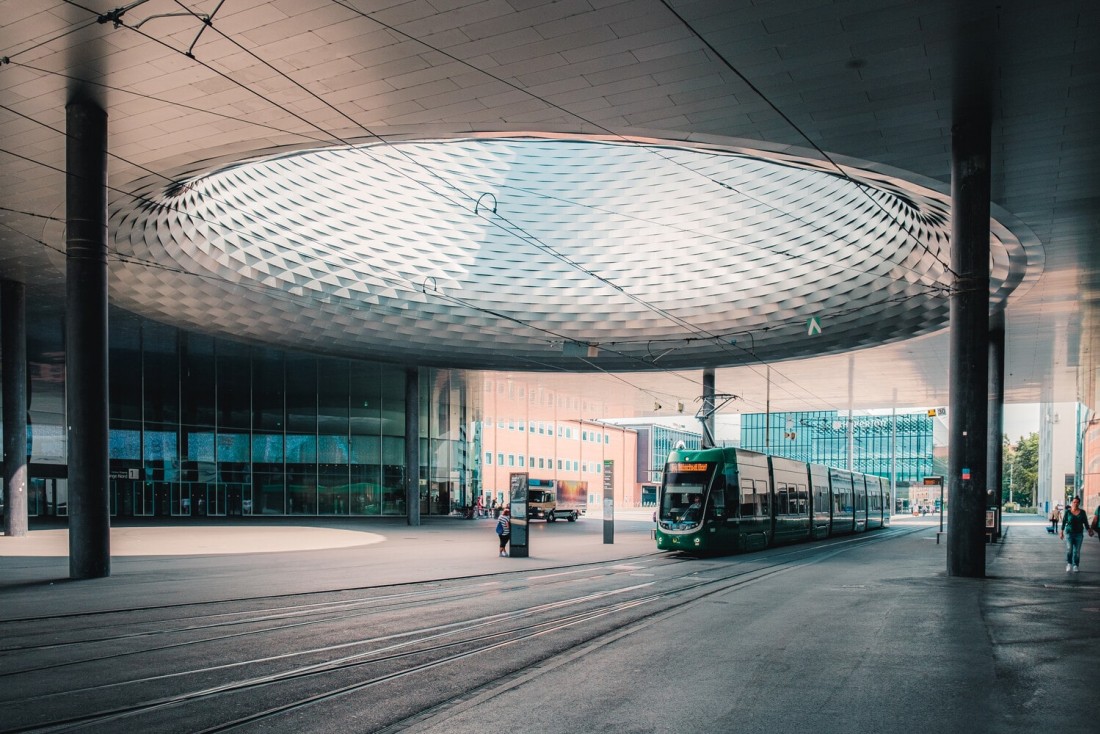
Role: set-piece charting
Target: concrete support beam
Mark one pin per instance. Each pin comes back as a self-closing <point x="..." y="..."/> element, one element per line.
<point x="13" y="344"/>
<point x="86" y="339"/>
<point x="969" y="369"/>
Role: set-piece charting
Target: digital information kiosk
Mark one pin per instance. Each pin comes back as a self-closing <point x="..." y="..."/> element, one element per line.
<point x="517" y="499"/>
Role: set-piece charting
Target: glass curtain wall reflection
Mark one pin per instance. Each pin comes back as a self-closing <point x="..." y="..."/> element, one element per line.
<point x="821" y="437"/>
<point x="203" y="427"/>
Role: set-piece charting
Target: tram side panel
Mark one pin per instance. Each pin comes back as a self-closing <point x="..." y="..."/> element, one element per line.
<point x="860" y="504"/>
<point x="791" y="507"/>
<point x="874" y="502"/>
<point x="820" y="501"/>
<point x="842" y="510"/>
<point x="887" y="501"/>
<point x="755" y="526"/>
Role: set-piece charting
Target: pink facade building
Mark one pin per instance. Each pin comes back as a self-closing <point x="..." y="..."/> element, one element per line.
<point x="549" y="435"/>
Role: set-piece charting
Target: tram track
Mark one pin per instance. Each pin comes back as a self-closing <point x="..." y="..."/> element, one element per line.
<point x="372" y="605"/>
<point x="410" y="652"/>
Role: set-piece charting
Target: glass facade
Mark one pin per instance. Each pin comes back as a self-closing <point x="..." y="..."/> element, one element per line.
<point x="821" y="437"/>
<point x="205" y="427"/>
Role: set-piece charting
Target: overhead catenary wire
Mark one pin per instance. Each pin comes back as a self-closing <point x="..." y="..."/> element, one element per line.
<point x="116" y="18"/>
<point x="656" y="150"/>
<point x="705" y="335"/>
<point x="756" y="90"/>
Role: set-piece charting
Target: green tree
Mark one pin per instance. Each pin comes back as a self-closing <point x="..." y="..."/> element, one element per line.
<point x="1021" y="470"/>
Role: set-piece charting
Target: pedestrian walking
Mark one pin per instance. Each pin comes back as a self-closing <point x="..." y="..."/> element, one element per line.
<point x="480" y="510"/>
<point x="1074" y="524"/>
<point x="1055" y="518"/>
<point x="504" y="530"/>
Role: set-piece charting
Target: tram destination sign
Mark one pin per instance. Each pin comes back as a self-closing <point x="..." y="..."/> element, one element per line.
<point x="683" y="466"/>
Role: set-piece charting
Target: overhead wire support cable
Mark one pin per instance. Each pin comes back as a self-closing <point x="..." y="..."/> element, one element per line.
<point x="529" y="238"/>
<point x="655" y="150"/>
<point x="756" y="90"/>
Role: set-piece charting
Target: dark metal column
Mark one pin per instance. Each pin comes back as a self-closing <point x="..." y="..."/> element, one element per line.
<point x="969" y="370"/>
<point x="995" y="455"/>
<point x="412" y="446"/>
<point x="13" y="342"/>
<point x="708" y="408"/>
<point x="86" y="339"/>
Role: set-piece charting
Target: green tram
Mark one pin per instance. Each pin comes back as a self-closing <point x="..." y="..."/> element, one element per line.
<point x="725" y="500"/>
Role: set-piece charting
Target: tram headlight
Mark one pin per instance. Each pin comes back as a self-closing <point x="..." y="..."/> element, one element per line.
<point x="698" y="541"/>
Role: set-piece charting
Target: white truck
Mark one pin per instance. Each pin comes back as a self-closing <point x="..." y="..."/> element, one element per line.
<point x="549" y="500"/>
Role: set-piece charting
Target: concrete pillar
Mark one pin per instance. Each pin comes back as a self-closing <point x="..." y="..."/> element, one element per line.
<point x="13" y="343"/>
<point x="412" y="446"/>
<point x="969" y="362"/>
<point x="86" y="339"/>
<point x="995" y="454"/>
<point x="708" y="408"/>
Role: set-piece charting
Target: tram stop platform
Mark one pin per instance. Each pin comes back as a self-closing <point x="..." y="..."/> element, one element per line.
<point x="1029" y="629"/>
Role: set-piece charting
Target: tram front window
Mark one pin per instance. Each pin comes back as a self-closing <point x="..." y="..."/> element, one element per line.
<point x="682" y="503"/>
<point x="683" y="494"/>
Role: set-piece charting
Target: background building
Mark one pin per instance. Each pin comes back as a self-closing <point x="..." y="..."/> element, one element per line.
<point x="900" y="447"/>
<point x="201" y="426"/>
<point x="525" y="427"/>
<point x="655" y="441"/>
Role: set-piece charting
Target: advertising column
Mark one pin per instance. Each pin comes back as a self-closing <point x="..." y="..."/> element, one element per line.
<point x="517" y="499"/>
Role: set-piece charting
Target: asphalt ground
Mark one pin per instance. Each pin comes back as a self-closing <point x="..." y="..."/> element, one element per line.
<point x="1014" y="652"/>
<point x="175" y="563"/>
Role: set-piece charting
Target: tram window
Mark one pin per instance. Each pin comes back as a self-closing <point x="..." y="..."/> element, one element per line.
<point x="718" y="493"/>
<point x="803" y="500"/>
<point x="782" y="502"/>
<point x="748" y="502"/>
<point x="676" y="500"/>
<point x="763" y="499"/>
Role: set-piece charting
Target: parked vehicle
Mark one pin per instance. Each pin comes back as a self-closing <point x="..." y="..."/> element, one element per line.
<point x="549" y="500"/>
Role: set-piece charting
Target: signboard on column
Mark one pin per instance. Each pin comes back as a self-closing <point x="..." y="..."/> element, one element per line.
<point x="608" y="502"/>
<point x="517" y="500"/>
